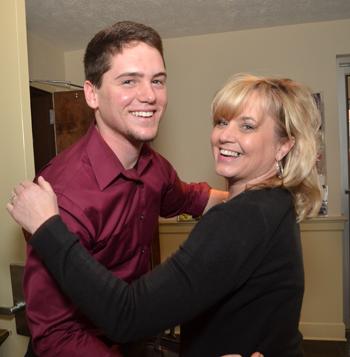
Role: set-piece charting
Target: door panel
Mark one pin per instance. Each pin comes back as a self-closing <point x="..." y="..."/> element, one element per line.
<point x="72" y="118"/>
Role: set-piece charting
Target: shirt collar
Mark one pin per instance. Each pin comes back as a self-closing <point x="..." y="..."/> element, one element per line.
<point x="106" y="164"/>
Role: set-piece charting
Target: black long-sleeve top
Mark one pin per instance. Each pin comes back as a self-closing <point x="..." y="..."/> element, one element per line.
<point x="235" y="286"/>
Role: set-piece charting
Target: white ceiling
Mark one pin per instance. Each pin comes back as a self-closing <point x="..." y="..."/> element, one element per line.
<point x="69" y="24"/>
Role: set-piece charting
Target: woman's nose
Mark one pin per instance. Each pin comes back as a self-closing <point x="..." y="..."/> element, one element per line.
<point x="228" y="134"/>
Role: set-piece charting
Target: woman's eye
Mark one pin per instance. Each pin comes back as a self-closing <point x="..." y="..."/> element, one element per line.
<point x="221" y="122"/>
<point x="247" y="127"/>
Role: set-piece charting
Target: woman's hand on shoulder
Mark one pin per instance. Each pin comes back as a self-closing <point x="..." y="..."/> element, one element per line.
<point x="32" y="204"/>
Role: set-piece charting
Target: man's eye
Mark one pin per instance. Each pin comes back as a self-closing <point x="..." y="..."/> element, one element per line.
<point x="159" y="82"/>
<point x="128" y="81"/>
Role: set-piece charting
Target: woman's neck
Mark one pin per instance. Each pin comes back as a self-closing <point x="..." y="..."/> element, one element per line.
<point x="237" y="187"/>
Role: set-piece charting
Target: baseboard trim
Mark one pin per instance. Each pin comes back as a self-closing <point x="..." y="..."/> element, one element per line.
<point x="323" y="331"/>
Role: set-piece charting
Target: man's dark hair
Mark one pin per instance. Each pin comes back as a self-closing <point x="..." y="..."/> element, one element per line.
<point x="111" y="41"/>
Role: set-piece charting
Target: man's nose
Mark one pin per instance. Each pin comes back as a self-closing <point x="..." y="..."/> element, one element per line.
<point x="146" y="93"/>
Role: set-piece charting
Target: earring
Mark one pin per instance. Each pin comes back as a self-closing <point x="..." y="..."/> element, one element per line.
<point x="279" y="169"/>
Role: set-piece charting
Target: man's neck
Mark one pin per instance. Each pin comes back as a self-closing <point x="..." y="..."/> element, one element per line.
<point x="126" y="151"/>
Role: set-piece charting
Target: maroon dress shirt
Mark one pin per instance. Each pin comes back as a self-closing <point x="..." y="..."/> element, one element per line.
<point x="115" y="213"/>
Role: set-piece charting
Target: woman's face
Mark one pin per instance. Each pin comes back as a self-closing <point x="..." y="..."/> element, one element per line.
<point x="246" y="147"/>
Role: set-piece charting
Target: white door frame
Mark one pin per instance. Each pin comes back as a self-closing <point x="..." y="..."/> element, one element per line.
<point x="343" y="69"/>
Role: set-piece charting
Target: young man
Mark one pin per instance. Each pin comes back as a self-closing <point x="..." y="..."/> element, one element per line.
<point x="111" y="185"/>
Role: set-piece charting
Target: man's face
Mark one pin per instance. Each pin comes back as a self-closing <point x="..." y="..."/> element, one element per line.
<point x="132" y="98"/>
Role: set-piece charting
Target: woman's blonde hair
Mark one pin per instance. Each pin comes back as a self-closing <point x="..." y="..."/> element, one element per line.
<point x="297" y="118"/>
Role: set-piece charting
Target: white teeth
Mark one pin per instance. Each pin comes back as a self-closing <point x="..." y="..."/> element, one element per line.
<point x="229" y="153"/>
<point x="142" y="114"/>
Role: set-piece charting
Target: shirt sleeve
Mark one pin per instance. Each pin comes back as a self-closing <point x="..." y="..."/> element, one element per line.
<point x="181" y="197"/>
<point x="174" y="292"/>
<point x="57" y="327"/>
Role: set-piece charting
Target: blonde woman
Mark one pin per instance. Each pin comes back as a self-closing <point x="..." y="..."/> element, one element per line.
<point x="237" y="283"/>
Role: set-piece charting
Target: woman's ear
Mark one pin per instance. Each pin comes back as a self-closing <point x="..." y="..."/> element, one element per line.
<point x="90" y="95"/>
<point x="285" y="147"/>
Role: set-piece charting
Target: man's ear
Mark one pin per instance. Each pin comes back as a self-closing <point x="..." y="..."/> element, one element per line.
<point x="90" y="95"/>
<point x="284" y="149"/>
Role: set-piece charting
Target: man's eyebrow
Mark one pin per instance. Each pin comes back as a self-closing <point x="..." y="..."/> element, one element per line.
<point x="129" y="74"/>
<point x="138" y="74"/>
<point x="160" y="74"/>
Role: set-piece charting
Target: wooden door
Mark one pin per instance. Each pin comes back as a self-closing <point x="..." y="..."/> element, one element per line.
<point x="72" y="117"/>
<point x="42" y="127"/>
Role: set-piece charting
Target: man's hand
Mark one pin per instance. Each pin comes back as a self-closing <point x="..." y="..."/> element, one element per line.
<point x="32" y="204"/>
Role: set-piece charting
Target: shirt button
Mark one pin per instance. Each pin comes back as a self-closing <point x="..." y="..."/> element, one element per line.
<point x="142" y="217"/>
<point x="142" y="251"/>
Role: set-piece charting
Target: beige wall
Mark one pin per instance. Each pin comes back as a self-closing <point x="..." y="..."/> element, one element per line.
<point x="74" y="66"/>
<point x="197" y="66"/>
<point x="16" y="156"/>
<point x="45" y="61"/>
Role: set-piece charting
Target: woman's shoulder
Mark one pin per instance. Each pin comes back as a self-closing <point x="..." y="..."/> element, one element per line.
<point x="259" y="204"/>
<point x="266" y="205"/>
<point x="263" y="197"/>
